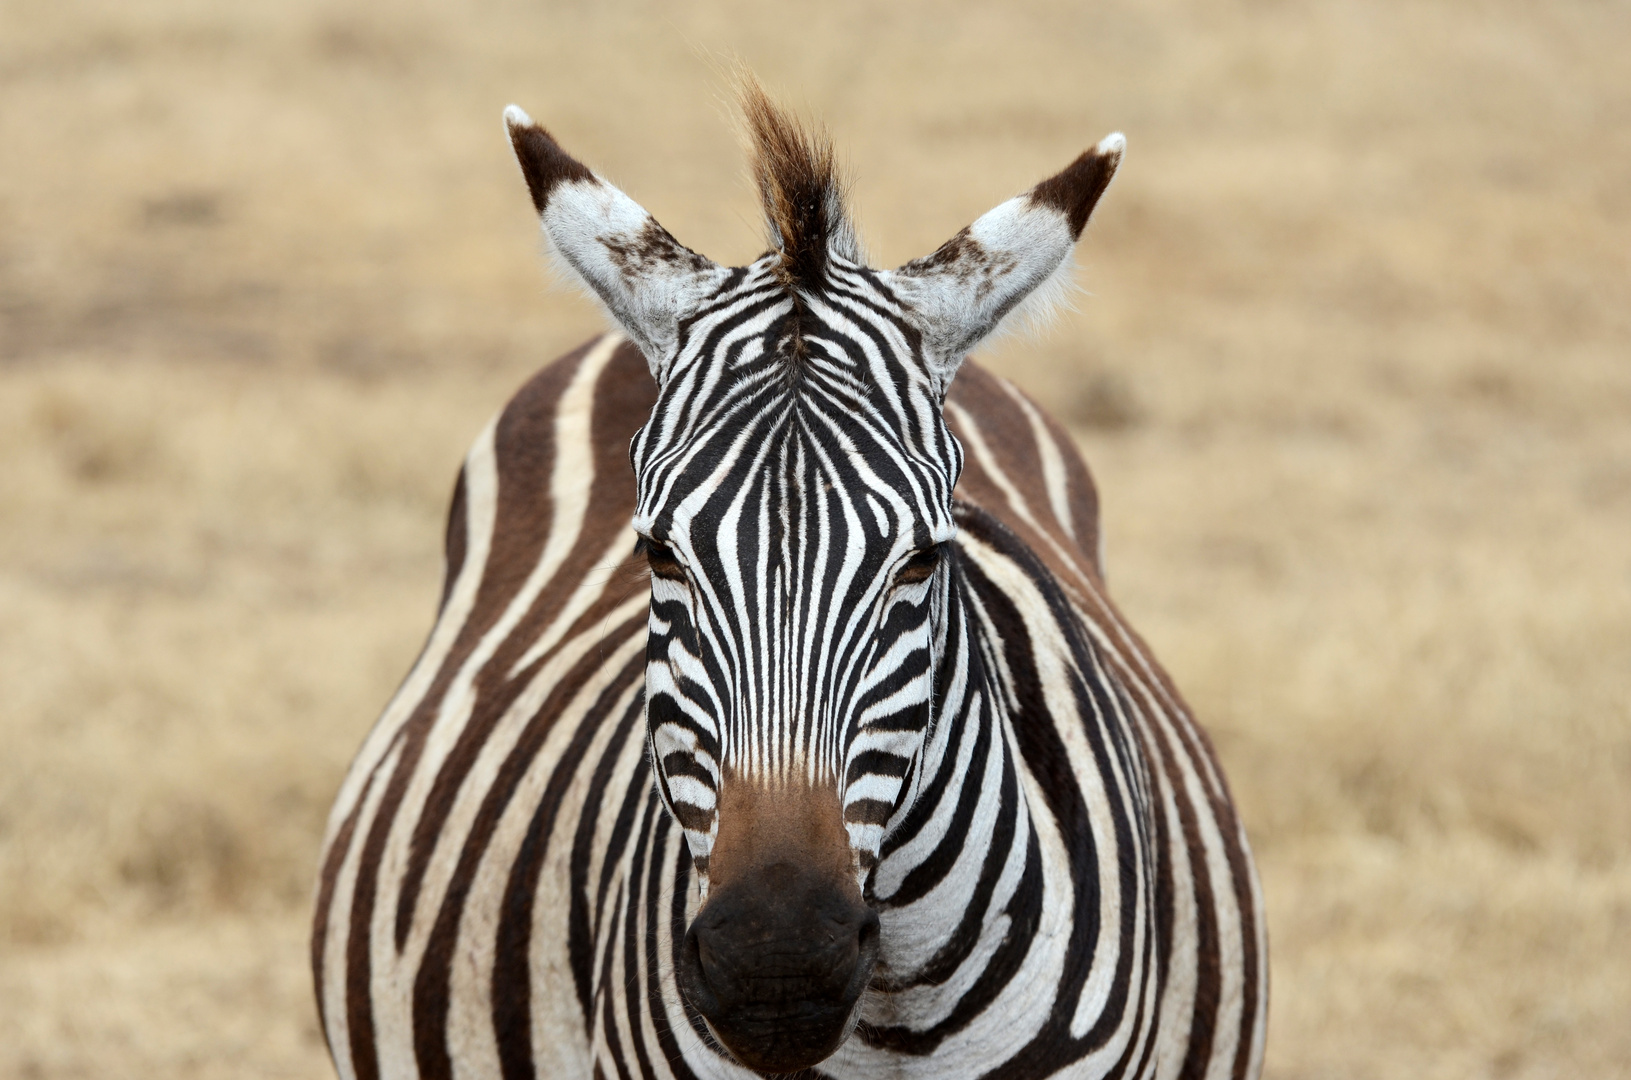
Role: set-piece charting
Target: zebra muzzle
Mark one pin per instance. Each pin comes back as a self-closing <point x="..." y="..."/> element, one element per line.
<point x="777" y="962"/>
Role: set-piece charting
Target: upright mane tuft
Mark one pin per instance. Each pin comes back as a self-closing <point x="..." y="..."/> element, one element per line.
<point x="799" y="186"/>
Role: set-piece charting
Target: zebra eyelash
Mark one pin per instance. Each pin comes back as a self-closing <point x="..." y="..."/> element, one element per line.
<point x="920" y="565"/>
<point x="661" y="558"/>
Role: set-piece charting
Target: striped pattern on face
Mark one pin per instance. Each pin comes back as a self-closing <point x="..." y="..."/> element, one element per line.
<point x="831" y="616"/>
<point x="502" y="891"/>
<point x="794" y="488"/>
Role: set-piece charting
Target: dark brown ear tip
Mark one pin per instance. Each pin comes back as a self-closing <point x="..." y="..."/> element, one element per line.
<point x="1076" y="190"/>
<point x="543" y="163"/>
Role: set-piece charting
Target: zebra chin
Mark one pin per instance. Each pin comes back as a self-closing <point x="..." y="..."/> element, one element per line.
<point x="777" y="964"/>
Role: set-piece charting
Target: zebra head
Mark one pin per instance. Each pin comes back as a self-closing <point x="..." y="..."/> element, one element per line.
<point x="795" y="506"/>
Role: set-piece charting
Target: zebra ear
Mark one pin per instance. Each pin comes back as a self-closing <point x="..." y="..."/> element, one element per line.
<point x="646" y="279"/>
<point x="1016" y="253"/>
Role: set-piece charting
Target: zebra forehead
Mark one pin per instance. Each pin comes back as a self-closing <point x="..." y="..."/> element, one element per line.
<point x="778" y="446"/>
<point x="795" y="475"/>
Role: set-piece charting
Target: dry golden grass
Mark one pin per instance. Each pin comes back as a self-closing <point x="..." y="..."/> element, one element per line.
<point x="1355" y="377"/>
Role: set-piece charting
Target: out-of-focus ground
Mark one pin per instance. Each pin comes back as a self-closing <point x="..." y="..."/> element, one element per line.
<point x="1354" y="373"/>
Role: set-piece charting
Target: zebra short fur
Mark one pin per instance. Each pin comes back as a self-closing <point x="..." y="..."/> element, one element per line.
<point x="848" y="763"/>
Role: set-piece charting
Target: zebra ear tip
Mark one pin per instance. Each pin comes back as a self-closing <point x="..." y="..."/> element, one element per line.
<point x="543" y="163"/>
<point x="516" y="117"/>
<point x="1075" y="191"/>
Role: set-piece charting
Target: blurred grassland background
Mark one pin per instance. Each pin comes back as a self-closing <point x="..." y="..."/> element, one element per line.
<point x="1354" y="374"/>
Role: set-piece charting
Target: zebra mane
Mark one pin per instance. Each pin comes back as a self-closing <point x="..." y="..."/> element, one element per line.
<point x="800" y="188"/>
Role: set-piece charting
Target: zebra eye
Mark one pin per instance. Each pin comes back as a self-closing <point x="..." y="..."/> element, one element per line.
<point x="661" y="558"/>
<point x="919" y="566"/>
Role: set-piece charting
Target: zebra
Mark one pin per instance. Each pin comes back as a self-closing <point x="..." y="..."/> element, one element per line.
<point x="840" y="761"/>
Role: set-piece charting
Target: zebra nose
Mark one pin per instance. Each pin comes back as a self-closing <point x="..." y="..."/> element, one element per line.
<point x="777" y="963"/>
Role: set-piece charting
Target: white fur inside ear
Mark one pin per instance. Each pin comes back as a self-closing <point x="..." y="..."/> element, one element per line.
<point x="644" y="278"/>
<point x="516" y="117"/>
<point x="582" y="218"/>
<point x="1012" y="266"/>
<point x="1054" y="295"/>
<point x="1035" y="244"/>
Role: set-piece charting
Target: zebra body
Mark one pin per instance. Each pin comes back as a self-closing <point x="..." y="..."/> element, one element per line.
<point x="967" y="749"/>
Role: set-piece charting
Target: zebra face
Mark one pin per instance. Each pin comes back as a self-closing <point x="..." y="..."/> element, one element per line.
<point x="794" y="505"/>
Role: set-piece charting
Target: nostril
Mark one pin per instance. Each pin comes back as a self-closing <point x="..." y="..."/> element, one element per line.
<point x="866" y="942"/>
<point x="869" y="930"/>
<point x="865" y="929"/>
<point x="692" y="979"/>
